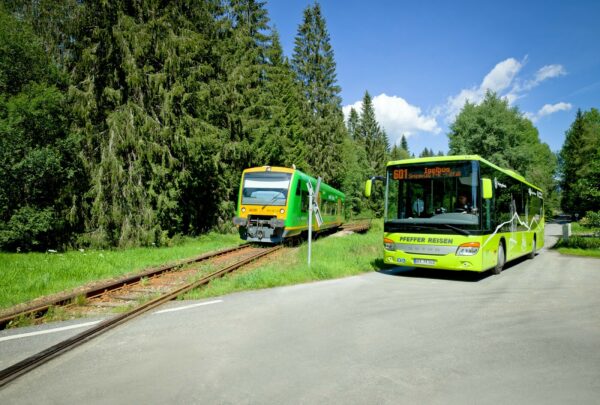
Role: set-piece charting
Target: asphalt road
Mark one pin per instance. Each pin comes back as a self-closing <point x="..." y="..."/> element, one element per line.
<point x="529" y="335"/>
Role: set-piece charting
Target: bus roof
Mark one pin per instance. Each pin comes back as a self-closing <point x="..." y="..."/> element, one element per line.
<point x="432" y="159"/>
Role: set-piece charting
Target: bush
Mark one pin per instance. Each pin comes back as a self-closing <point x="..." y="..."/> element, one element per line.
<point x="579" y="242"/>
<point x="591" y="219"/>
<point x="28" y="229"/>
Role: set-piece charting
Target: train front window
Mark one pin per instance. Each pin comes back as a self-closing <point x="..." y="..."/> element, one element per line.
<point x="266" y="188"/>
<point x="434" y="195"/>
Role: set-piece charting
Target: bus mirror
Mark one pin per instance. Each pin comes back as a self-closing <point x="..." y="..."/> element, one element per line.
<point x="487" y="188"/>
<point x="368" y="186"/>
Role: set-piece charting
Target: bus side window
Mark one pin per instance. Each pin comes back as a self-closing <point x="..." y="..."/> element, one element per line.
<point x="299" y="188"/>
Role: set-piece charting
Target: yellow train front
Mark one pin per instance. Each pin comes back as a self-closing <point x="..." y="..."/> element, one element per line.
<point x="273" y="204"/>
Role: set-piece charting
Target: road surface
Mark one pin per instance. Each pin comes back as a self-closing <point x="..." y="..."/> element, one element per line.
<point x="529" y="335"/>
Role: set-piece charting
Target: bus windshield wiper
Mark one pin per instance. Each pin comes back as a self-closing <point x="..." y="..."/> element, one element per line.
<point x="454" y="228"/>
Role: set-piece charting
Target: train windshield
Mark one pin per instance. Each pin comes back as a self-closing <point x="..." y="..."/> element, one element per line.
<point x="433" y="196"/>
<point x="266" y="188"/>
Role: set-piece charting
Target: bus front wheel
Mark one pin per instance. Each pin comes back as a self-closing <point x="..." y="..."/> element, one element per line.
<point x="501" y="259"/>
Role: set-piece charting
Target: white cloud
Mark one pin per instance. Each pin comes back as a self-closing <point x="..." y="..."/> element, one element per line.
<point x="398" y="117"/>
<point x="549" y="109"/>
<point x="548" y="72"/>
<point x="502" y="79"/>
<point x="501" y="76"/>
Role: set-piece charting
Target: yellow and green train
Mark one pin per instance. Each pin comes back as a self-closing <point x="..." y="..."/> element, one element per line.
<point x="273" y="204"/>
<point x="459" y="213"/>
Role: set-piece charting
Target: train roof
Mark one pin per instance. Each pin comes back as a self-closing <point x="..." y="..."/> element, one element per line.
<point x="279" y="169"/>
<point x="434" y="159"/>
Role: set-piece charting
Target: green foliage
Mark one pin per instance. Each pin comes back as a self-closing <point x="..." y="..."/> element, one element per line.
<point x="579" y="242"/>
<point x="580" y="164"/>
<point x="591" y="219"/>
<point x="399" y="153"/>
<point x="375" y="143"/>
<point x="26" y="276"/>
<point x="404" y="143"/>
<point x="326" y="264"/>
<point x="353" y="123"/>
<point x="502" y="135"/>
<point x="129" y="123"/>
<point x="39" y="170"/>
<point x="427" y="153"/>
<point x="314" y="65"/>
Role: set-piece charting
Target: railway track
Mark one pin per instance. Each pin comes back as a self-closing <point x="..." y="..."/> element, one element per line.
<point x="37" y="310"/>
<point x="9" y="374"/>
<point x="95" y="293"/>
<point x="359" y="226"/>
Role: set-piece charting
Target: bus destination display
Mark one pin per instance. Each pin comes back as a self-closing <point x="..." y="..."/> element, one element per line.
<point x="425" y="172"/>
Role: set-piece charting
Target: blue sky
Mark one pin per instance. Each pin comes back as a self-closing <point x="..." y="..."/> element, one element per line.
<point x="421" y="60"/>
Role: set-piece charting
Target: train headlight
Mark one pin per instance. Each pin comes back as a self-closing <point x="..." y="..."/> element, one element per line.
<point x="388" y="244"/>
<point x="243" y="209"/>
<point x="468" y="249"/>
<point x="281" y="211"/>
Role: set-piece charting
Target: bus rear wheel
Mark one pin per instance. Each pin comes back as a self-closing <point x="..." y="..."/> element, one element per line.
<point x="501" y="259"/>
<point x="532" y="254"/>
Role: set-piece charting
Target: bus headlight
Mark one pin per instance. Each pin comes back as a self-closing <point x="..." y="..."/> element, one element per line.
<point x="281" y="211"/>
<point x="388" y="244"/>
<point x="243" y="209"/>
<point x="468" y="249"/>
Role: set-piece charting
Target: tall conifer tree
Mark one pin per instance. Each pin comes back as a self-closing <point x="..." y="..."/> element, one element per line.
<point x="376" y="145"/>
<point x="314" y="64"/>
<point x="139" y="79"/>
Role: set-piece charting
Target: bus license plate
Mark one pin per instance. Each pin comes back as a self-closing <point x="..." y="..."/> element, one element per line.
<point x="424" y="261"/>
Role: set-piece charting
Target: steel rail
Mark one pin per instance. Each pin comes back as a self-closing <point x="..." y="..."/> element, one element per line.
<point x="111" y="285"/>
<point x="10" y="373"/>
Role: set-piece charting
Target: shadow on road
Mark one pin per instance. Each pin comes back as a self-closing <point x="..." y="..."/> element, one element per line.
<point x="450" y="275"/>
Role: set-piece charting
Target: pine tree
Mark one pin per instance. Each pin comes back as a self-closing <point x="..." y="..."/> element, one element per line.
<point x="282" y="138"/>
<point x="376" y="146"/>
<point x="399" y="153"/>
<point x="139" y="79"/>
<point x="353" y="122"/>
<point x="404" y="143"/>
<point x="314" y="64"/>
<point x="580" y="170"/>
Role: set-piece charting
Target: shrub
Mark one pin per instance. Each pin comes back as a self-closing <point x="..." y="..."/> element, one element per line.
<point x="591" y="219"/>
<point x="579" y="242"/>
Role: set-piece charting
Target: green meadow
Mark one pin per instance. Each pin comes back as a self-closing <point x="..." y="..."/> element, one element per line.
<point x="25" y="276"/>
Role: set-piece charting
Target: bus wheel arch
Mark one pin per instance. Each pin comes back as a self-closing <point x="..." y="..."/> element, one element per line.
<point x="501" y="257"/>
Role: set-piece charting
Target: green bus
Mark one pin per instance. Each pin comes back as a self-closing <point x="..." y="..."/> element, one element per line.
<point x="459" y="213"/>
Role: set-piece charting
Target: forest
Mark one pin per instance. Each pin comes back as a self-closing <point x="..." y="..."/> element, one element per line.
<point x="128" y="123"/>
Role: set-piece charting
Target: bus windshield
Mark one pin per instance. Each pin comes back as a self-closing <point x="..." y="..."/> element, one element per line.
<point x="265" y="188"/>
<point x="433" y="195"/>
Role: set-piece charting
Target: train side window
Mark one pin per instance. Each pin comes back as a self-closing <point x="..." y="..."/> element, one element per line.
<point x="299" y="188"/>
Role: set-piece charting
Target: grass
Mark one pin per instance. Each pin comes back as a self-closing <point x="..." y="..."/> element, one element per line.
<point x="580" y="252"/>
<point x="25" y="276"/>
<point x="332" y="257"/>
<point x="578" y="244"/>
<point x="578" y="229"/>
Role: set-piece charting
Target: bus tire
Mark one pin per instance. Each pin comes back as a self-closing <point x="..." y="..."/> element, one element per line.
<point x="501" y="259"/>
<point x="532" y="254"/>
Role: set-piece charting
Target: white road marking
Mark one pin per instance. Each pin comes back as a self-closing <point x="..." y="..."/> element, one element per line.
<point x="83" y="325"/>
<point x="43" y="332"/>
<point x="188" y="307"/>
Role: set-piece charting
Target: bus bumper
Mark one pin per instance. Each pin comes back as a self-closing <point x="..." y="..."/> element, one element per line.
<point x="447" y="262"/>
